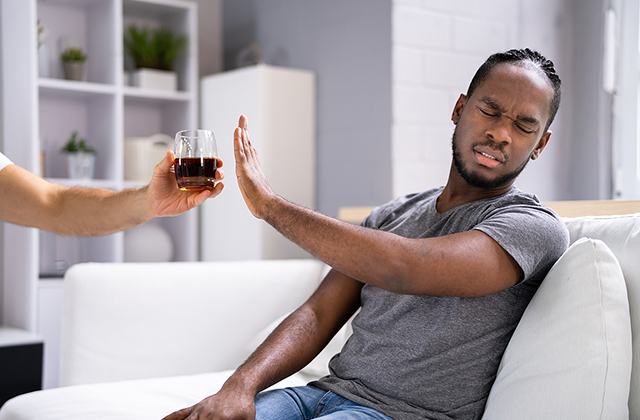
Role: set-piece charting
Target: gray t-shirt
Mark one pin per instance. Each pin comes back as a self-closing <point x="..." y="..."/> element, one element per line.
<point x="425" y="357"/>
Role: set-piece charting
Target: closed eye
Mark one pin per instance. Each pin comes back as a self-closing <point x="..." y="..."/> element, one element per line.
<point x="488" y="114"/>
<point x="523" y="129"/>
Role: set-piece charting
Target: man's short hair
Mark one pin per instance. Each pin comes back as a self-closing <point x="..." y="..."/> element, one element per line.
<point x="526" y="58"/>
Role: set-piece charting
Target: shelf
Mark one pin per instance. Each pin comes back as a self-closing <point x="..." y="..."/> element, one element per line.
<point x="156" y="9"/>
<point x="50" y="85"/>
<point x="17" y="337"/>
<point x="157" y="95"/>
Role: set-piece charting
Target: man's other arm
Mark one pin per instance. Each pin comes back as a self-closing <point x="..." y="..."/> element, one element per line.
<point x="290" y="347"/>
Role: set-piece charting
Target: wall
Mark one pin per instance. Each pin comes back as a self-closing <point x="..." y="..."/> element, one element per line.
<point x="210" y="45"/>
<point x="437" y="47"/>
<point x="348" y="45"/>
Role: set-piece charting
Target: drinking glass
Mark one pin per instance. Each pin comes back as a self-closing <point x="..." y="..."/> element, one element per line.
<point x="195" y="159"/>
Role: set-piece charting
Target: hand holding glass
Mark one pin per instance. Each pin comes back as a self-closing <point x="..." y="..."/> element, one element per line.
<point x="195" y="159"/>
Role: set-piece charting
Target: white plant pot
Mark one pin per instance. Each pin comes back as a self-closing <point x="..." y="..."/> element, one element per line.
<point x="155" y="79"/>
<point x="81" y="165"/>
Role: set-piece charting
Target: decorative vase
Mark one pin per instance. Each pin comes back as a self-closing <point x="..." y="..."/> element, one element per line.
<point x="155" y="79"/>
<point x="149" y="242"/>
<point x="81" y="165"/>
<point x="74" y="70"/>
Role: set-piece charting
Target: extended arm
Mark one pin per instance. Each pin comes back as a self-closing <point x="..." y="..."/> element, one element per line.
<point x="29" y="200"/>
<point x="465" y="264"/>
<point x="290" y="347"/>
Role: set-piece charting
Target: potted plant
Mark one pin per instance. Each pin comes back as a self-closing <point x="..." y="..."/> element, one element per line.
<point x="73" y="60"/>
<point x="80" y="157"/>
<point x="154" y="53"/>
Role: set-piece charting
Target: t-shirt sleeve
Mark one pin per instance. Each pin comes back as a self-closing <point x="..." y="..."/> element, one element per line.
<point x="4" y="161"/>
<point x="532" y="234"/>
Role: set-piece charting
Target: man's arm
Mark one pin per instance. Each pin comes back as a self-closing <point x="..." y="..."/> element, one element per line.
<point x="464" y="264"/>
<point x="29" y="200"/>
<point x="291" y="346"/>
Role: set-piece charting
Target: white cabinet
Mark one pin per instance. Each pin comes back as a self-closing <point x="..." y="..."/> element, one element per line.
<point x="40" y="112"/>
<point x="280" y="104"/>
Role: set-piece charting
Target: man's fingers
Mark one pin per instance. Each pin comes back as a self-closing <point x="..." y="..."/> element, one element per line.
<point x="216" y="190"/>
<point x="243" y="121"/>
<point x="166" y="163"/>
<point x="179" y="415"/>
<point x="239" y="146"/>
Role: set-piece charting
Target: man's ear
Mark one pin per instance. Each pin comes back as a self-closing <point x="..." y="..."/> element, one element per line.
<point x="457" y="109"/>
<point x="541" y="145"/>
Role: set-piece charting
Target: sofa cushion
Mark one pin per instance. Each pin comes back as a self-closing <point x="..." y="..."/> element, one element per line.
<point x="622" y="236"/>
<point x="144" y="320"/>
<point x="142" y="399"/>
<point x="570" y="356"/>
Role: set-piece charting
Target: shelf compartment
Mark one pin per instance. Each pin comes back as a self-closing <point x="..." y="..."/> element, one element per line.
<point x="87" y="24"/>
<point x="89" y="113"/>
<point x="58" y="252"/>
<point x="145" y="116"/>
<point x="179" y="17"/>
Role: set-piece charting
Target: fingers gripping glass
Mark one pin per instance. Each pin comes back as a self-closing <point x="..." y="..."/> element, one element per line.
<point x="195" y="159"/>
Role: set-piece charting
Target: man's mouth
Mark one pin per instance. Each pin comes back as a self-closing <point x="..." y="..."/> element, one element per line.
<point x="486" y="159"/>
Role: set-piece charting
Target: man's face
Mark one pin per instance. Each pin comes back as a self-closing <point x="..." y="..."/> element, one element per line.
<point x="500" y="127"/>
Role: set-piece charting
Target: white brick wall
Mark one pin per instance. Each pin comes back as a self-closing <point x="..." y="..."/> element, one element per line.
<point x="437" y="47"/>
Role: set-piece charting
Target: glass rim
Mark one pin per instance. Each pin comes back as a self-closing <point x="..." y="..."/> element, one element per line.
<point x="194" y="132"/>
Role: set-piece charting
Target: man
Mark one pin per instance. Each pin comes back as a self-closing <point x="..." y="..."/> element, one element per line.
<point x="28" y="200"/>
<point x="440" y="278"/>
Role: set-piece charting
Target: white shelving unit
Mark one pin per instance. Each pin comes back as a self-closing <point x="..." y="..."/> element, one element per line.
<point x="40" y="113"/>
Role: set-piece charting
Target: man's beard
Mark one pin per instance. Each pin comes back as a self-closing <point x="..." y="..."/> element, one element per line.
<point x="476" y="180"/>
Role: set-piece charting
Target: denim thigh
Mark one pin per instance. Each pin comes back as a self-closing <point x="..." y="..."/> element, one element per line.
<point x="307" y="402"/>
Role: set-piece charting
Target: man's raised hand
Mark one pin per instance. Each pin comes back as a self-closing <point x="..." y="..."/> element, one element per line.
<point x="251" y="179"/>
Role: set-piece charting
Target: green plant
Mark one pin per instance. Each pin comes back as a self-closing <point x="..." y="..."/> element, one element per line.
<point x="76" y="145"/>
<point x="153" y="48"/>
<point x="73" y="55"/>
<point x="40" y="33"/>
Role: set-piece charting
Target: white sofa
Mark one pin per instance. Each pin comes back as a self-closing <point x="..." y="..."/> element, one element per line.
<point x="142" y="340"/>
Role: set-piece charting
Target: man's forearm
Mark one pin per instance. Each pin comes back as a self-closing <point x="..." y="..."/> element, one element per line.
<point x="289" y="348"/>
<point x="93" y="212"/>
<point x="364" y="254"/>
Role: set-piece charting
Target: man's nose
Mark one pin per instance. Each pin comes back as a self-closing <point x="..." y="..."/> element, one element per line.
<point x="500" y="130"/>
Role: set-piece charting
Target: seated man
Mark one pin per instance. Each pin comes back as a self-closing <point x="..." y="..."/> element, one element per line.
<point x="440" y="278"/>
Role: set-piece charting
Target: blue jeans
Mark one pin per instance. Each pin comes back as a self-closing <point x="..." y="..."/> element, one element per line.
<point x="307" y="402"/>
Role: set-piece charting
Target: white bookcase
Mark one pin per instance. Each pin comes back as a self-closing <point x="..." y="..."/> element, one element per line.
<point x="39" y="114"/>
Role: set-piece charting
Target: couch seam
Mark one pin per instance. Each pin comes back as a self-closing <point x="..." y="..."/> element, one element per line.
<point x="604" y="328"/>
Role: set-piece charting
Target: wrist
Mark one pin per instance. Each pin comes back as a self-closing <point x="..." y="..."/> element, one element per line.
<point x="271" y="207"/>
<point x="240" y="384"/>
<point x="147" y="211"/>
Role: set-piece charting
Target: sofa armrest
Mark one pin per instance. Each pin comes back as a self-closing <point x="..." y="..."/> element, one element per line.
<point x="141" y="320"/>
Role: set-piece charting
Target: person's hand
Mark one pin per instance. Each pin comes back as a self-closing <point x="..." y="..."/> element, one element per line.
<point x="221" y="406"/>
<point x="166" y="199"/>
<point x="251" y="179"/>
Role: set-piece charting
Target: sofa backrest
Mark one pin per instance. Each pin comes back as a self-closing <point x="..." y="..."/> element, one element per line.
<point x="143" y="320"/>
<point x="622" y="236"/>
